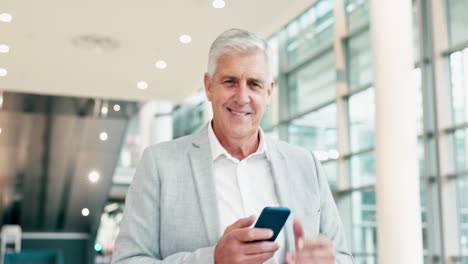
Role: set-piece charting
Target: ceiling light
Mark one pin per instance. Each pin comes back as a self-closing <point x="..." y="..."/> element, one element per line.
<point x="160" y="64"/>
<point x="104" y="110"/>
<point x="0" y="130"/>
<point x="218" y="3"/>
<point x="5" y="17"/>
<point x="3" y="72"/>
<point x="142" y="85"/>
<point x="103" y="136"/>
<point x="116" y="107"/>
<point x="185" y="39"/>
<point x="4" y="48"/>
<point x="85" y="212"/>
<point x="94" y="176"/>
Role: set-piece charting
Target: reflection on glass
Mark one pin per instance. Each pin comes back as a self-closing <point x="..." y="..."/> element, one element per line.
<point x="188" y="119"/>
<point x="457" y="20"/>
<point x="361" y="120"/>
<point x="312" y="84"/>
<point x="462" y="191"/>
<point x="364" y="236"/>
<point x="459" y="82"/>
<point x="331" y="170"/>
<point x="316" y="132"/>
<point x="362" y="169"/>
<point x="357" y="13"/>
<point x="359" y="60"/>
<point x="419" y="99"/>
<point x="310" y="32"/>
<point x="274" y="56"/>
<point x="461" y="149"/>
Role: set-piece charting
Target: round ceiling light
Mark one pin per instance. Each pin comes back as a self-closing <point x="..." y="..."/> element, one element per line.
<point x="185" y="39"/>
<point x="4" y="48"/>
<point x="142" y="85"/>
<point x="85" y="212"/>
<point x="160" y="64"/>
<point x="218" y="4"/>
<point x="5" y="17"/>
<point x="3" y="72"/>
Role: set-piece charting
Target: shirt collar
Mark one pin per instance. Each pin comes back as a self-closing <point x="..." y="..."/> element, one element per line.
<point x="217" y="149"/>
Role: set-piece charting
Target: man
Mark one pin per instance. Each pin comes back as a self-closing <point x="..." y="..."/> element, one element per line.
<point x="191" y="198"/>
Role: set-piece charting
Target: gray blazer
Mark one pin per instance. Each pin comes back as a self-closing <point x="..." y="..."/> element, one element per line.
<point x="171" y="212"/>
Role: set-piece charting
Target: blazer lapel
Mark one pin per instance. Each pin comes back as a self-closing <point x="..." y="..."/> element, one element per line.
<point x="280" y="171"/>
<point x="202" y="171"/>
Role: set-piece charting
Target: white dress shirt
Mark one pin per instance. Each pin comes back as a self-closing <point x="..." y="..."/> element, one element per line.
<point x="244" y="187"/>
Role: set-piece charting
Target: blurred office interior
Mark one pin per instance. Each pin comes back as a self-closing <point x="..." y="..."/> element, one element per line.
<point x="85" y="87"/>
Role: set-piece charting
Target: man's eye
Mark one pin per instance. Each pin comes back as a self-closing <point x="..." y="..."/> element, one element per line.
<point x="229" y="82"/>
<point x="255" y="84"/>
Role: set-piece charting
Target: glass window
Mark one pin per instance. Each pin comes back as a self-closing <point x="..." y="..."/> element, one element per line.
<point x="357" y="13"/>
<point x="364" y="236"/>
<point x="359" y="61"/>
<point x="462" y="193"/>
<point x="459" y="83"/>
<point x="461" y="149"/>
<point x="309" y="33"/>
<point x="313" y="84"/>
<point x="361" y="120"/>
<point x="362" y="169"/>
<point x="331" y="170"/>
<point x="457" y="20"/>
<point x="274" y="53"/>
<point x="316" y="132"/>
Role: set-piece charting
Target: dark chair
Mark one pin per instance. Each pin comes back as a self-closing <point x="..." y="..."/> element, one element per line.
<point x="34" y="257"/>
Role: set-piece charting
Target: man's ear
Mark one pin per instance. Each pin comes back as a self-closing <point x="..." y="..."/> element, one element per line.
<point x="270" y="91"/>
<point x="208" y="85"/>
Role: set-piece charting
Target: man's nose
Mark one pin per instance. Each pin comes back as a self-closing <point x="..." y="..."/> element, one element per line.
<point x="242" y="94"/>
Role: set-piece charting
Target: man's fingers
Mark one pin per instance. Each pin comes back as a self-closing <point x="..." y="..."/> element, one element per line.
<point x="260" y="247"/>
<point x="252" y="234"/>
<point x="298" y="234"/>
<point x="319" y="242"/>
<point x="241" y="223"/>
<point x="258" y="258"/>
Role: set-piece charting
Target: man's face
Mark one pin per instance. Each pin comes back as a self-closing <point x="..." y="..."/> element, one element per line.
<point x="239" y="92"/>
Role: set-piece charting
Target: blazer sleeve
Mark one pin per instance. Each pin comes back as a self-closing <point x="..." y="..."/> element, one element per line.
<point x="330" y="223"/>
<point x="139" y="239"/>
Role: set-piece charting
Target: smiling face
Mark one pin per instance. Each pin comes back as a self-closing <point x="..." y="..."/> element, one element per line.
<point x="239" y="92"/>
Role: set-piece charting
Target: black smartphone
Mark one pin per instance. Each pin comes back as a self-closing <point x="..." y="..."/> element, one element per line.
<point x="273" y="218"/>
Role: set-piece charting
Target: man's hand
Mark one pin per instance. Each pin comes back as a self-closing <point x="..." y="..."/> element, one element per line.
<point x="317" y="250"/>
<point x="233" y="247"/>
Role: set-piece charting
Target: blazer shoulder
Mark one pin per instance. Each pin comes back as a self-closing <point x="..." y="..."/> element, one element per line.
<point x="292" y="151"/>
<point x="175" y="146"/>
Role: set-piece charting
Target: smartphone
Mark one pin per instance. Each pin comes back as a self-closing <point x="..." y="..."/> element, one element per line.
<point x="273" y="218"/>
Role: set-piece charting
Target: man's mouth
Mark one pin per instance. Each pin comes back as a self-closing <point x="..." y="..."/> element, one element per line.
<point x="238" y="113"/>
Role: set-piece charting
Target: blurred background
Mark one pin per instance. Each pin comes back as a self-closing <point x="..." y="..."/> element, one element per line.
<point x="86" y="86"/>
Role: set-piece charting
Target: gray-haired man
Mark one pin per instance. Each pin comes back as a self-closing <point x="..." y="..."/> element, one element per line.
<point x="191" y="197"/>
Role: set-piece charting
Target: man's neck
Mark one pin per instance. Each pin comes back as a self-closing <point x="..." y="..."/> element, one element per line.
<point x="239" y="148"/>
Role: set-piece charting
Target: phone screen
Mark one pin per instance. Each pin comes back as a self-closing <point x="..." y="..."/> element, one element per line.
<point x="273" y="218"/>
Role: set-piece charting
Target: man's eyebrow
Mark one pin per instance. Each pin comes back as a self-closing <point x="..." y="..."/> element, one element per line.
<point x="228" y="77"/>
<point x="255" y="80"/>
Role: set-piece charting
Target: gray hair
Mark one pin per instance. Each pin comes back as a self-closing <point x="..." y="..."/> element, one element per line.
<point x="236" y="40"/>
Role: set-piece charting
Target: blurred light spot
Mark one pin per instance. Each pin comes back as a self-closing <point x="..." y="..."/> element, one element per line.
<point x="85" y="212"/>
<point x="142" y="85"/>
<point x="218" y="4"/>
<point x="93" y="176"/>
<point x="185" y="39"/>
<point x="103" y="136"/>
<point x="160" y="64"/>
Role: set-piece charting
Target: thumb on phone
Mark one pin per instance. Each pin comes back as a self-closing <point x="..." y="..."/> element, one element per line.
<point x="241" y="223"/>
